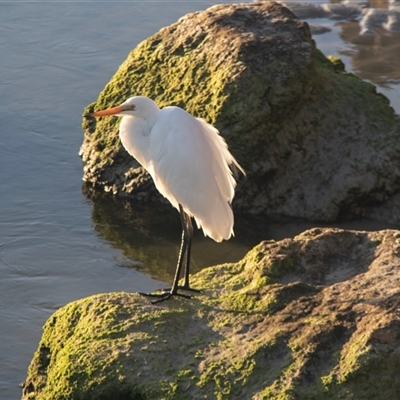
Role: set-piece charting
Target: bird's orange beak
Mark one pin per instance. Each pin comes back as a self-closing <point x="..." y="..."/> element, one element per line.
<point x="109" y="111"/>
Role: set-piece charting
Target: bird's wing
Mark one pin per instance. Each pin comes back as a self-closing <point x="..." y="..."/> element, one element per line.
<point x="189" y="163"/>
<point x="223" y="160"/>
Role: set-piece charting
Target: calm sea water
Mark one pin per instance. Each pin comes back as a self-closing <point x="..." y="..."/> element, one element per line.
<point x="56" y="245"/>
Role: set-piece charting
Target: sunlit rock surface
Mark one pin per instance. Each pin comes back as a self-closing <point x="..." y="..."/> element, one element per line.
<point x="313" y="317"/>
<point x="316" y="142"/>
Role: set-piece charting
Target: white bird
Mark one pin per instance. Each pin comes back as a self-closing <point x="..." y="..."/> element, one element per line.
<point x="191" y="166"/>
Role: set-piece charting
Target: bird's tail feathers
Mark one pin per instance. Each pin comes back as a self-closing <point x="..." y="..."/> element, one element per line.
<point x="219" y="224"/>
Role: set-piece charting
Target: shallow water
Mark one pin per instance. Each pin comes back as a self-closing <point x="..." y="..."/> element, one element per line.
<point x="55" y="244"/>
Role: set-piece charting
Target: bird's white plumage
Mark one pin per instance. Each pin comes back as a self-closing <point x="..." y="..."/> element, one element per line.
<point x="188" y="160"/>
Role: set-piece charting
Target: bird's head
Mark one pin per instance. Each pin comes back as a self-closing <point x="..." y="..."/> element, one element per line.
<point x="138" y="106"/>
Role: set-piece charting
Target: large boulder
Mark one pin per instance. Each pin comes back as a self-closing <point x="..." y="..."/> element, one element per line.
<point x="316" y="141"/>
<point x="313" y="317"/>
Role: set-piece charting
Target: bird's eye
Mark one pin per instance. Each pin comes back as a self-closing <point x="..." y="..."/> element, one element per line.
<point x="133" y="107"/>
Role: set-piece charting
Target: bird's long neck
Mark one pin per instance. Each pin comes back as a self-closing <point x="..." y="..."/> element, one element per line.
<point x="134" y="133"/>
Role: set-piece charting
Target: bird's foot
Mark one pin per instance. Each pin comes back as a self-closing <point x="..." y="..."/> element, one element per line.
<point x="165" y="295"/>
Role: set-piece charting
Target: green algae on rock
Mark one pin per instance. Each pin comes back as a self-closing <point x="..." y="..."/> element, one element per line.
<point x="313" y="317"/>
<point x="316" y="142"/>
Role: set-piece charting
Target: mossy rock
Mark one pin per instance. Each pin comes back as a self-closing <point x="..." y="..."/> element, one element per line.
<point x="316" y="142"/>
<point x="314" y="317"/>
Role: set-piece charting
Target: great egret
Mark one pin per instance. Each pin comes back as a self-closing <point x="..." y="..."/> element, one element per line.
<point x="191" y="166"/>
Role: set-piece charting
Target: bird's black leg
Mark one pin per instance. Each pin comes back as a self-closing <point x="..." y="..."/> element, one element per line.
<point x="189" y="228"/>
<point x="183" y="258"/>
<point x="186" y="284"/>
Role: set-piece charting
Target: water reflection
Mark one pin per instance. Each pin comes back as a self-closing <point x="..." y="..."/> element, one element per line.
<point x="374" y="57"/>
<point x="149" y="234"/>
